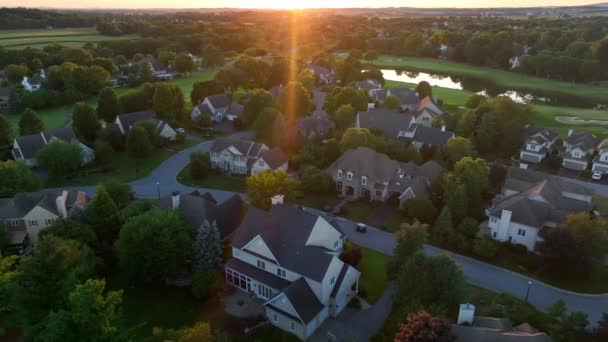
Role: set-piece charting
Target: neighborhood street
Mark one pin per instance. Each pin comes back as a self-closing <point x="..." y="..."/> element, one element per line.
<point x="479" y="273"/>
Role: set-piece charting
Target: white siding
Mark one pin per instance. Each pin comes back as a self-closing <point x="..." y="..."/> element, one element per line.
<point x="325" y="235"/>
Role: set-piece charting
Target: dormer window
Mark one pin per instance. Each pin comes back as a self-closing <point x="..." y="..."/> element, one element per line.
<point x="349" y="175"/>
<point x="363" y="180"/>
<point x="339" y="174"/>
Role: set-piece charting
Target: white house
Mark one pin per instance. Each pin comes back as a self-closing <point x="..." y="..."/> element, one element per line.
<point x="578" y="150"/>
<point x="290" y="258"/>
<point x="537" y="144"/>
<point x="31" y="84"/>
<point x="246" y="157"/>
<point x="600" y="162"/>
<point x="26" y="147"/>
<point x="532" y="202"/>
<point x="218" y="107"/>
<point x="124" y="122"/>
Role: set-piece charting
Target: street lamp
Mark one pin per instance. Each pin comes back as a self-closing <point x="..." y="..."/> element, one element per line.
<point x="528" y="290"/>
<point x="158" y="189"/>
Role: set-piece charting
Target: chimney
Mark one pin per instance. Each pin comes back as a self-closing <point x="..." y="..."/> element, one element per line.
<point x="60" y="202"/>
<point x="570" y="131"/>
<point x="175" y="200"/>
<point x="443" y="128"/>
<point x="277" y="199"/>
<point x="466" y="314"/>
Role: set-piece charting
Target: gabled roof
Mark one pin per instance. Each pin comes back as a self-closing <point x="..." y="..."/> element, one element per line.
<point x="129" y="119"/>
<point x="363" y="161"/>
<point x="319" y="70"/>
<point x="23" y="202"/>
<point x="405" y="95"/>
<point x="367" y="84"/>
<point x="219" y="100"/>
<point x="256" y="273"/>
<point x="540" y="135"/>
<point x="66" y="134"/>
<point x="30" y="145"/>
<point x="285" y="230"/>
<point x="389" y="121"/>
<point x="584" y="141"/>
<point x="303" y="300"/>
<point x="247" y="148"/>
<point x="274" y="157"/>
<point x="314" y="124"/>
<point x="432" y="135"/>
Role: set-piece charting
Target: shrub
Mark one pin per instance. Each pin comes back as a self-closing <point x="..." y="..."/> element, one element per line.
<point x="468" y="227"/>
<point x="485" y="248"/>
<point x="352" y="256"/>
<point x="421" y="209"/>
<point x="204" y="283"/>
<point x="199" y="165"/>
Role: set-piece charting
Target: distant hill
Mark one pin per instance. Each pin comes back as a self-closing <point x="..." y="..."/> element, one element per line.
<point x="601" y="4"/>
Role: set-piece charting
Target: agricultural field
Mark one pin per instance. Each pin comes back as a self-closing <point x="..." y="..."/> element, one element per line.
<point x="19" y="39"/>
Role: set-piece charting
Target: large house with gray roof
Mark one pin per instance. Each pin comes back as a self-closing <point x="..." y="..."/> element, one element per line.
<point x="532" y="202"/>
<point x="408" y="99"/>
<point x="403" y="126"/>
<point x="291" y="259"/>
<point x="126" y="121"/>
<point x="28" y="213"/>
<point x="25" y="148"/>
<point x="578" y="150"/>
<point x="600" y="162"/>
<point x="363" y="173"/>
<point x="314" y="126"/>
<point x="324" y="75"/>
<point x="217" y="107"/>
<point x="245" y="157"/>
<point x="538" y="142"/>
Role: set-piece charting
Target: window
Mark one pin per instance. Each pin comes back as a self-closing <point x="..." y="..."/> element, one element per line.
<point x="275" y="318"/>
<point x="281" y="273"/>
<point x="336" y="244"/>
<point x="261" y="163"/>
<point x="235" y="252"/>
<point x="339" y="186"/>
<point x="494" y="235"/>
<point x="364" y="180"/>
<point x="378" y="193"/>
<point x="521" y="232"/>
<point x="261" y="264"/>
<point x="349" y="175"/>
<point x="339" y="174"/>
<point x="293" y="326"/>
<point x="332" y="280"/>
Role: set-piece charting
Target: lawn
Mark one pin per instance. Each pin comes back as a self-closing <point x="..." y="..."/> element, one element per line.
<point x="214" y="180"/>
<point x="360" y="211"/>
<point x="502" y="78"/>
<point x="122" y="168"/>
<point x="373" y="273"/>
<point x="310" y="200"/>
<point x="74" y="37"/>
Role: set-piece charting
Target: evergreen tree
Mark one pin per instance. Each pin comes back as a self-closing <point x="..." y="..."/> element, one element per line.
<point x="108" y="105"/>
<point x="207" y="247"/>
<point x="410" y="240"/>
<point x="30" y="123"/>
<point x="486" y="133"/>
<point x="138" y="142"/>
<point x="169" y="103"/>
<point x="456" y="198"/>
<point x="6" y="139"/>
<point x="443" y="230"/>
<point x="84" y="122"/>
<point x="103" y="214"/>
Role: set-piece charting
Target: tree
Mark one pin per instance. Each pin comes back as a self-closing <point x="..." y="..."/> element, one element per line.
<point x="295" y="101"/>
<point x="228" y="79"/>
<point x="70" y="229"/>
<point x="264" y="124"/>
<point x="108" y="105"/>
<point x="184" y="63"/>
<point x="591" y="233"/>
<point x="347" y="95"/>
<point x="258" y="101"/>
<point x="88" y="312"/>
<point x="199" y="165"/>
<point x="345" y="116"/>
<point x="15" y="73"/>
<point x="30" y="123"/>
<point x="145" y="73"/>
<point x="204" y="283"/>
<point x="420" y="209"/>
<point x="103" y="215"/>
<point x="308" y="79"/>
<point x="443" y="230"/>
<point x="85" y="122"/>
<point x="207" y="247"/>
<point x="16" y="177"/>
<point x="457" y="148"/>
<point x="200" y="332"/>
<point x="120" y="193"/>
<point x="212" y="56"/>
<point x="485" y="248"/>
<point x="567" y="326"/>
<point x="410" y="240"/>
<point x="60" y="158"/>
<point x="202" y="89"/>
<point x="154" y="246"/>
<point x="600" y="332"/>
<point x="6" y="138"/>
<point x="316" y="181"/>
<point x="169" y="102"/>
<point x="600" y="51"/>
<point x="562" y="254"/>
<point x="138" y="142"/>
<point x="262" y="186"/>
<point x="474" y="101"/>
<point x="423" y="327"/>
<point x="106" y="63"/>
<point x="392" y="103"/>
<point x="485" y="139"/>
<point x="468" y="227"/>
<point x="355" y="137"/>
<point x="48" y="276"/>
<point x="455" y="193"/>
<point x="8" y="275"/>
<point x="4" y="239"/>
<point x="424" y="89"/>
<point x="473" y="173"/>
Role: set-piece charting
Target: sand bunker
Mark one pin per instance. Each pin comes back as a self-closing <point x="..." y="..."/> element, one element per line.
<point x="575" y="120"/>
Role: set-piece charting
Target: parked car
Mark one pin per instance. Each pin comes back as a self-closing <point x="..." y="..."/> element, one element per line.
<point x="596" y="175"/>
<point x="180" y="130"/>
<point x="361" y="228"/>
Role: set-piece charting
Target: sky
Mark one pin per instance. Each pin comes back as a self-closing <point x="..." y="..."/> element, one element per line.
<point x="286" y="3"/>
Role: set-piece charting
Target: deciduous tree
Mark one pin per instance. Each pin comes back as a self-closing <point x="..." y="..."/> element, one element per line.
<point x="424" y="327"/>
<point x="264" y="185"/>
<point x="410" y="240"/>
<point x="199" y="165"/>
<point x="16" y="177"/>
<point x="108" y="105"/>
<point x="169" y="102"/>
<point x="30" y="123"/>
<point x="60" y="158"/>
<point x="85" y="122"/>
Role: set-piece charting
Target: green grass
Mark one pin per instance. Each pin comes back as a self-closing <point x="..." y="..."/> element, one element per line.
<point x="19" y="39"/>
<point x="318" y="201"/>
<point x="360" y="211"/>
<point x="601" y="204"/>
<point x="214" y="180"/>
<point x="373" y="273"/>
<point x="502" y="78"/>
<point x="122" y="168"/>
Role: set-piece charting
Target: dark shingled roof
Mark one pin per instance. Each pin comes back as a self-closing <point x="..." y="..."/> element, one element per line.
<point x="432" y="135"/>
<point x="219" y="100"/>
<point x="245" y="147"/>
<point x="303" y="299"/>
<point x="260" y="275"/>
<point x="129" y="119"/>
<point x="274" y="157"/>
<point x="285" y="231"/>
<point x="389" y="121"/>
<point x="23" y="202"/>
<point x="405" y="95"/>
<point x="30" y="145"/>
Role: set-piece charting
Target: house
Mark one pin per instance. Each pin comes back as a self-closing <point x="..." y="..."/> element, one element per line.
<point x="471" y="328"/>
<point x="218" y="107"/>
<point x="160" y="71"/>
<point x="378" y="95"/>
<point x="532" y="202"/>
<point x="28" y="213"/>
<point x="324" y="76"/>
<point x="246" y="157"/>
<point x="31" y="84"/>
<point x="363" y="173"/>
<point x="26" y="147"/>
<point x="314" y="126"/>
<point x="538" y="142"/>
<point x="125" y="121"/>
<point x="5" y="96"/>
<point x="196" y="208"/>
<point x="578" y="150"/>
<point x="290" y="258"/>
<point x="428" y="111"/>
<point x="600" y="162"/>
<point x="408" y="99"/>
<point x="368" y="85"/>
<point x="403" y="126"/>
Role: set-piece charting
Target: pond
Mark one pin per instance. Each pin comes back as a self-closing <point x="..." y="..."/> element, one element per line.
<point x="484" y="87"/>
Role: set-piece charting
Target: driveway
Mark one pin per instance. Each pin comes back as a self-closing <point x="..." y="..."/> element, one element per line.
<point x="380" y="215"/>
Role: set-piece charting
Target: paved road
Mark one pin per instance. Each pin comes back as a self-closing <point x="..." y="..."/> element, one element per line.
<point x="489" y="276"/>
